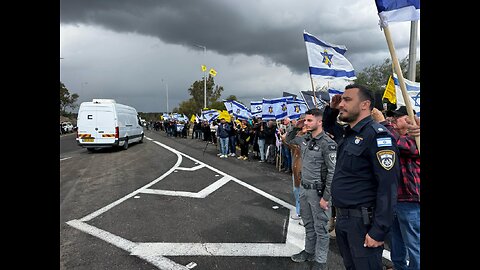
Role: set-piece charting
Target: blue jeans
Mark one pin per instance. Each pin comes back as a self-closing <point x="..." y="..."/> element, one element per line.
<point x="287" y="161"/>
<point x="405" y="236"/>
<point x="261" y="148"/>
<point x="223" y="146"/>
<point x="232" y="141"/>
<point x="296" y="194"/>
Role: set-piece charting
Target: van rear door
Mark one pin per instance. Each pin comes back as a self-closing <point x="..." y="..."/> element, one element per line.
<point x="99" y="122"/>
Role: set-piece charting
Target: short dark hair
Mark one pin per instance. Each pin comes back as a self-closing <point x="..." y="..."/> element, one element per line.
<point x="315" y="112"/>
<point x="364" y="93"/>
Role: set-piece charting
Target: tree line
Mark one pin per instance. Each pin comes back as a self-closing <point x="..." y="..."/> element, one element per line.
<point x="374" y="77"/>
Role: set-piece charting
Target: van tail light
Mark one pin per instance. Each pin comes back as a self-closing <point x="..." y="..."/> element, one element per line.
<point x="116" y="132"/>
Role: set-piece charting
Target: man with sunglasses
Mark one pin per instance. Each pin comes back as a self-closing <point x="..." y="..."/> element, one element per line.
<point x="364" y="186"/>
<point x="318" y="152"/>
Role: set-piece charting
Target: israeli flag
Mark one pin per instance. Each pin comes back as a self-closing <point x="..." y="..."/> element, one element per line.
<point x="295" y="108"/>
<point x="397" y="11"/>
<point x="210" y="115"/>
<point x="256" y="108"/>
<point x="333" y="92"/>
<point x="240" y="111"/>
<point x="327" y="63"/>
<point x="413" y="91"/>
<point x="274" y="109"/>
<point x="228" y="106"/>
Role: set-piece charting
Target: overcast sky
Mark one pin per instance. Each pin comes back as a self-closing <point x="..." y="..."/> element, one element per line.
<point x="132" y="50"/>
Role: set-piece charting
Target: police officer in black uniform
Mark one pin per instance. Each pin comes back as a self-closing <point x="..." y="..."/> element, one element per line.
<point x="364" y="185"/>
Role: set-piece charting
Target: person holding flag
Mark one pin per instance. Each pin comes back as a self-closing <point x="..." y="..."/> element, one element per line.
<point x="405" y="232"/>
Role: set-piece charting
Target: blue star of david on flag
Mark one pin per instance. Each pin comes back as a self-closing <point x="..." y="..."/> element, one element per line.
<point x="416" y="98"/>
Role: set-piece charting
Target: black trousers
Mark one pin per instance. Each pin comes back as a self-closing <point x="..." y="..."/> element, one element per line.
<point x="351" y="234"/>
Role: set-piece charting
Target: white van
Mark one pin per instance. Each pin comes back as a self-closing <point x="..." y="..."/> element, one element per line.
<point x="104" y="123"/>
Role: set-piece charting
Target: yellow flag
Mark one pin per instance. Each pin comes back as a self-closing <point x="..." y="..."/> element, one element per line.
<point x="213" y="72"/>
<point x="224" y="114"/>
<point x="204" y="68"/>
<point x="390" y="91"/>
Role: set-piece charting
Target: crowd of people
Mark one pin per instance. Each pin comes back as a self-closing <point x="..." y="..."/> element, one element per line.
<point x="355" y="175"/>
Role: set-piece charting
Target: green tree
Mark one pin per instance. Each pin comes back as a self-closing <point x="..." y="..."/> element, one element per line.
<point x="376" y="77"/>
<point x="232" y="97"/>
<point x="195" y="103"/>
<point x="67" y="100"/>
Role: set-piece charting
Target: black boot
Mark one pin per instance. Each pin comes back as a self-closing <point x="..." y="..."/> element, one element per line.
<point x="303" y="256"/>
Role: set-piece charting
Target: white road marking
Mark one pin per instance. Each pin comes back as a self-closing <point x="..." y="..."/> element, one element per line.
<point x="217" y="249"/>
<point x="159" y="261"/>
<point x="62" y="159"/>
<point x="191" y="265"/>
<point x="386" y="254"/>
<point x="191" y="169"/>
<point x="155" y="252"/>
<point x="201" y="194"/>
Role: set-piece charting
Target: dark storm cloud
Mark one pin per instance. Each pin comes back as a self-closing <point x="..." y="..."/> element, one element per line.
<point x="230" y="27"/>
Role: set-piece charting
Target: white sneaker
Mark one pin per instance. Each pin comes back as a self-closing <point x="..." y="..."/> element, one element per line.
<point x="295" y="217"/>
<point x="224" y="156"/>
<point x="232" y="154"/>
<point x="219" y="154"/>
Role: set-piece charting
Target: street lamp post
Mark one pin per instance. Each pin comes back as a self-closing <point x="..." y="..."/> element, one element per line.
<point x="204" y="77"/>
<point x="166" y="89"/>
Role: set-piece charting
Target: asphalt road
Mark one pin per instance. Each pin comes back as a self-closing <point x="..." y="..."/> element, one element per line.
<point x="171" y="203"/>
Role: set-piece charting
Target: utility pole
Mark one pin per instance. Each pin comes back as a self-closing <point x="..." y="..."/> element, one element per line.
<point x="204" y="76"/>
<point x="166" y="89"/>
<point x="412" y="58"/>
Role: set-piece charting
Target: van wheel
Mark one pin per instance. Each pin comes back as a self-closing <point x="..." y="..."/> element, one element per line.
<point x="141" y="139"/>
<point x="125" y="145"/>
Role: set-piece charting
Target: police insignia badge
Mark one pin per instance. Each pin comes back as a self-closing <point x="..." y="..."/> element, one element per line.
<point x="386" y="158"/>
<point x="332" y="157"/>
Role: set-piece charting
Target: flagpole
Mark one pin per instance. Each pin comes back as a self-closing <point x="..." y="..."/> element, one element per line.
<point x="311" y="80"/>
<point x="313" y="89"/>
<point x="304" y="100"/>
<point x="398" y="71"/>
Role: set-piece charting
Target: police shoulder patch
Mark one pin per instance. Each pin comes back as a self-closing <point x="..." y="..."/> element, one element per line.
<point x="332" y="147"/>
<point x="386" y="158"/>
<point x="332" y="157"/>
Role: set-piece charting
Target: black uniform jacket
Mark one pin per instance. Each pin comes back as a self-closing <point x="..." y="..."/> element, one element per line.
<point x="367" y="172"/>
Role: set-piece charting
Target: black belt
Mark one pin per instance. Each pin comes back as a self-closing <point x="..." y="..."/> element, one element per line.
<point x="348" y="212"/>
<point x="310" y="186"/>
